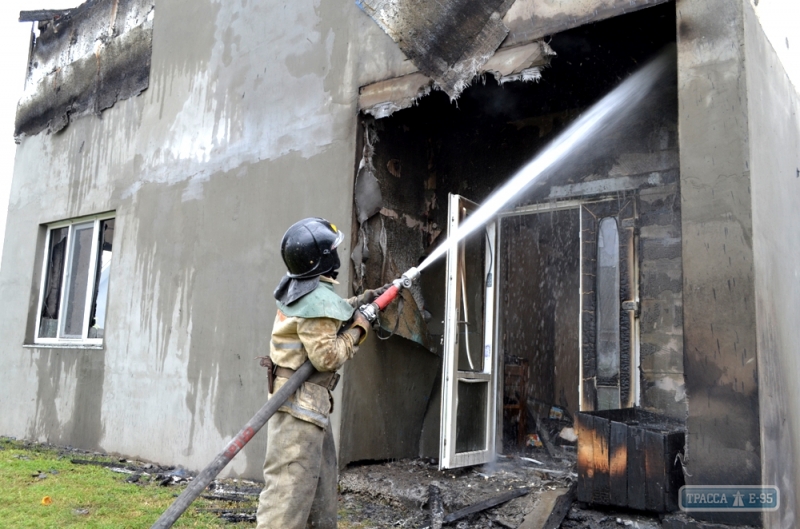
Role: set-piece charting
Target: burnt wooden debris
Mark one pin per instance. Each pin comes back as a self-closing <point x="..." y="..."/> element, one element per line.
<point x="627" y="458"/>
<point x="435" y="504"/>
<point x="482" y="505"/>
<point x="561" y="508"/>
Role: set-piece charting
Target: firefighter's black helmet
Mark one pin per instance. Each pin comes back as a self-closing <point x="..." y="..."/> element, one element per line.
<point x="309" y="248"/>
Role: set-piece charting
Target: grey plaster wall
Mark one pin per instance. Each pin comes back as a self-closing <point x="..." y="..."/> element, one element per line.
<point x="774" y="128"/>
<point x="247" y="125"/>
<point x="723" y="441"/>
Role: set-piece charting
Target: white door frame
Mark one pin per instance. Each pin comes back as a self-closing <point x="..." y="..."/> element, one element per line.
<point x="451" y="375"/>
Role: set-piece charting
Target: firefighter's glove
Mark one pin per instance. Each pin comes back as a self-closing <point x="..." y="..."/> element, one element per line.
<point x="371" y="295"/>
<point x="358" y="328"/>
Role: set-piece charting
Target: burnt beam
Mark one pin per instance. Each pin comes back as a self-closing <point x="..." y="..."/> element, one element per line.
<point x="43" y="14"/>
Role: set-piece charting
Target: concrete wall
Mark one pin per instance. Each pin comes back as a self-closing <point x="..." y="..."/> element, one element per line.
<point x="249" y="123"/>
<point x="778" y="20"/>
<point x="661" y="291"/>
<point x="774" y="127"/>
<point x="723" y="441"/>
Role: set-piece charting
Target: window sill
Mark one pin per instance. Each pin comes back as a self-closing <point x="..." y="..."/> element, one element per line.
<point x="63" y="346"/>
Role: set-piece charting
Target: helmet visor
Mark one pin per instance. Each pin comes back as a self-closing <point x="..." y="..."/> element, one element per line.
<point x="338" y="240"/>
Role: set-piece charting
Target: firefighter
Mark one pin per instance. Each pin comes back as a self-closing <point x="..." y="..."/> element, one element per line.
<point x="314" y="323"/>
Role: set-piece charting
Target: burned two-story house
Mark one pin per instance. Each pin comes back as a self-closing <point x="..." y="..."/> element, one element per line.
<point x="165" y="146"/>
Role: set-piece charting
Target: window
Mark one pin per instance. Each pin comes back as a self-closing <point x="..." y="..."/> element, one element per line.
<point x="609" y="298"/>
<point x="608" y="335"/>
<point x="74" y="286"/>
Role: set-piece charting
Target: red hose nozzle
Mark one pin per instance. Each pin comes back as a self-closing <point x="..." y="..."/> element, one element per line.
<point x="387" y="297"/>
<point x="371" y="310"/>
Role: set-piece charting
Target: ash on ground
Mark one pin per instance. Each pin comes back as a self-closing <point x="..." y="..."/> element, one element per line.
<point x="395" y="494"/>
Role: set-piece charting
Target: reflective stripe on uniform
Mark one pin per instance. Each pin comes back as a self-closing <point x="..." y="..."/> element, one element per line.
<point x="304" y="414"/>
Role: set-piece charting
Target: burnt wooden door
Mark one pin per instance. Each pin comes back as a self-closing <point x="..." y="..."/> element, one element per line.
<point x="609" y="304"/>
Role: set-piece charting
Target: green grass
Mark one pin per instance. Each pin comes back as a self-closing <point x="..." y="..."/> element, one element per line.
<point x="83" y="495"/>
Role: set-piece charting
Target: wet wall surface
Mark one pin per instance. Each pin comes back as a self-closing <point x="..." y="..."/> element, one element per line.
<point x="723" y="441"/>
<point x="774" y="129"/>
<point x="247" y="125"/>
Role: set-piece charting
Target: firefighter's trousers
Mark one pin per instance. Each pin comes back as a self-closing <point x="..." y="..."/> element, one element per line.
<point x="300" y="475"/>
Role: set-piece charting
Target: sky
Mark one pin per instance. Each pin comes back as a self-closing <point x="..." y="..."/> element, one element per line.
<point x="779" y="18"/>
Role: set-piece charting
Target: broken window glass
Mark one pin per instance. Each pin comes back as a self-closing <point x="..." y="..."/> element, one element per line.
<point x="54" y="272"/>
<point x="471" y="287"/>
<point x="74" y="291"/>
<point x="100" y="300"/>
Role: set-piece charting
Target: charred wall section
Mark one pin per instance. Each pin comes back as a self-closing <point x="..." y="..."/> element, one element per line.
<point x="539" y="273"/>
<point x="419" y="155"/>
<point x="85" y="60"/>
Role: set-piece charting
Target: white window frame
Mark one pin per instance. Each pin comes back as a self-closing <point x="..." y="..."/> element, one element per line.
<point x="65" y="287"/>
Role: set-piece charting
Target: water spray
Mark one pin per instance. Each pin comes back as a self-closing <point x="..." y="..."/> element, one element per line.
<point x="603" y="114"/>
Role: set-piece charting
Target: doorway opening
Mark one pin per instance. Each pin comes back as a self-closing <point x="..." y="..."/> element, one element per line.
<point x="538" y="318"/>
<point x="411" y="165"/>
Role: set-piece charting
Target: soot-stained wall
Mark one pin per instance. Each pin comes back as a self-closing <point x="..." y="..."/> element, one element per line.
<point x="539" y="280"/>
<point x="84" y="62"/>
<point x="248" y="124"/>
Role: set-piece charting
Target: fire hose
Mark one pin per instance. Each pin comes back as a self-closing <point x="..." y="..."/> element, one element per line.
<point x="204" y="478"/>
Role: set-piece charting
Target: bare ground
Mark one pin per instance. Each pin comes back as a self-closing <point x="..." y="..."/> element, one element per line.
<point x="395" y="494"/>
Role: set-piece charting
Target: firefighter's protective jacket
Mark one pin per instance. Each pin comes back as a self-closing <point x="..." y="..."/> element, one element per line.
<point x="309" y="329"/>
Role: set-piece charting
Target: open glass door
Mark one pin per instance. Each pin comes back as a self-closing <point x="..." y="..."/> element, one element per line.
<point x="469" y="381"/>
